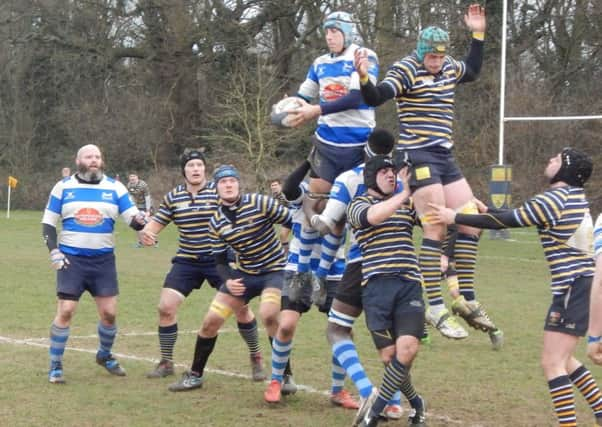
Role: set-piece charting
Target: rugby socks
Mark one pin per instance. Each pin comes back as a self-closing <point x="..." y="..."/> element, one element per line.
<point x="584" y="381"/>
<point x="307" y="239"/>
<point x="563" y="400"/>
<point x="106" y="338"/>
<point x="58" y="341"/>
<point x="328" y="250"/>
<point x="167" y="341"/>
<point x="248" y="331"/>
<point x="429" y="260"/>
<point x="338" y="376"/>
<point x="407" y="388"/>
<point x="281" y="351"/>
<point x="345" y="353"/>
<point x="288" y="370"/>
<point x="465" y="254"/>
<point x="395" y="375"/>
<point x="202" y="351"/>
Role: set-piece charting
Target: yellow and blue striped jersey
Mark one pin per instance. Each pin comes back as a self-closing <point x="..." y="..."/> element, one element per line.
<point x="425" y="102"/>
<point x="558" y="214"/>
<point x="387" y="248"/>
<point x="251" y="235"/>
<point x="191" y="214"/>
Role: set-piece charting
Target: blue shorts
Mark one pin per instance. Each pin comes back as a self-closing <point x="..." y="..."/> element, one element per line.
<point x="328" y="162"/>
<point x="255" y="284"/>
<point x="187" y="275"/>
<point x="433" y="166"/>
<point x="97" y="275"/>
<point x="569" y="313"/>
<point x="394" y="305"/>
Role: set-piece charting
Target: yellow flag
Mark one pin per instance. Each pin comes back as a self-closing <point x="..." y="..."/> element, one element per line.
<point x="12" y="182"/>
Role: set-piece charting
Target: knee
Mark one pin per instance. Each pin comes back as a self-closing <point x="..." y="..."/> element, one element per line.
<point x="166" y="311"/>
<point x="210" y="326"/>
<point x="108" y="317"/>
<point x="286" y="331"/>
<point x="245" y="315"/>
<point x="336" y="333"/>
<point x="64" y="316"/>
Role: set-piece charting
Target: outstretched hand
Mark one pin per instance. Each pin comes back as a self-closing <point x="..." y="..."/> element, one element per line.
<point x="475" y="18"/>
<point x="441" y="215"/>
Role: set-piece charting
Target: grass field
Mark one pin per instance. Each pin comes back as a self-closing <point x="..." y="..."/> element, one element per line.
<point x="465" y="383"/>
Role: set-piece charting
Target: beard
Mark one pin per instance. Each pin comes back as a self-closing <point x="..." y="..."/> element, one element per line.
<point x="89" y="175"/>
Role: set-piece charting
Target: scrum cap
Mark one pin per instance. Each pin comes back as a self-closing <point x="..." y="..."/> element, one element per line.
<point x="225" y="171"/>
<point x="576" y="168"/>
<point x="341" y="21"/>
<point x="373" y="165"/>
<point x="432" y="40"/>
<point x="189" y="155"/>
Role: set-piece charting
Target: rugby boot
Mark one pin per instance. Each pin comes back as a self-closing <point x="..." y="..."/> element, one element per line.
<point x="163" y="369"/>
<point x="273" y="393"/>
<point x="474" y="314"/>
<point x="344" y="400"/>
<point x="446" y="324"/>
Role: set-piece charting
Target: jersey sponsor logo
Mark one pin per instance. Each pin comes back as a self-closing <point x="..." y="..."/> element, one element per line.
<point x="88" y="217"/>
<point x="69" y="195"/>
<point x="335" y="188"/>
<point x="347" y="67"/>
<point x="107" y="196"/>
<point x="334" y="91"/>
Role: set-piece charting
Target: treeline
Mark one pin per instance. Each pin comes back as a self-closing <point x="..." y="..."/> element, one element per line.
<point x="144" y="79"/>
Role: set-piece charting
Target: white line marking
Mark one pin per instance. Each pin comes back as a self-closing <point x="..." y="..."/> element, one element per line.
<point x="34" y="342"/>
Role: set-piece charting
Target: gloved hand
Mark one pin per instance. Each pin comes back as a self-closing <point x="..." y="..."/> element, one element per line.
<point x="58" y="259"/>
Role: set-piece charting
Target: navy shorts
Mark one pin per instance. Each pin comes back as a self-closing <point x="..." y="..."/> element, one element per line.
<point x="97" y="275"/>
<point x="394" y="306"/>
<point x="187" y="275"/>
<point x="303" y="304"/>
<point x="349" y="289"/>
<point x="569" y="313"/>
<point x="255" y="284"/>
<point x="328" y="162"/>
<point x="433" y="166"/>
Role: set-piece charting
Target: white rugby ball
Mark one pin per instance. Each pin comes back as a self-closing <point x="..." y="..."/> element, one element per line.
<point x="279" y="115"/>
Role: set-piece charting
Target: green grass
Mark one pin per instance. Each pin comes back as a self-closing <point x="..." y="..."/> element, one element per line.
<point x="465" y="383"/>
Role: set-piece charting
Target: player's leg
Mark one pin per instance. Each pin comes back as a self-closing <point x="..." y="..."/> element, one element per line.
<point x="104" y="288"/>
<point x="169" y="302"/>
<point x="429" y="259"/>
<point x="458" y="195"/>
<point x="222" y="307"/>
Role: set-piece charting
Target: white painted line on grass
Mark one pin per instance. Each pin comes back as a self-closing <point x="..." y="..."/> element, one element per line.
<point x="35" y="342"/>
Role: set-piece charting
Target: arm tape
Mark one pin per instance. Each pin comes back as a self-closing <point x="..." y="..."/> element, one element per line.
<point x="50" y="237"/>
<point x="135" y="224"/>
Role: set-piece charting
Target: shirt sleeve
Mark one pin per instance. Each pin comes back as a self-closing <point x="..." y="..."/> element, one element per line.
<point x="598" y="237"/>
<point x="54" y="207"/>
<point x="357" y="213"/>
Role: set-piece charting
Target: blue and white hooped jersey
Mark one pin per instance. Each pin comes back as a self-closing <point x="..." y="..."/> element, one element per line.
<point x="346" y="187"/>
<point x="330" y="78"/>
<point x="88" y="213"/>
<point x="308" y="240"/>
<point x="598" y="237"/>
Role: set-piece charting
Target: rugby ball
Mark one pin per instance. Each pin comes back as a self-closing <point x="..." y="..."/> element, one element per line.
<point x="279" y="115"/>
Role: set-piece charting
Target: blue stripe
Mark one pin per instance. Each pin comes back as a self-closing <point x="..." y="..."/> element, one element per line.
<point x="344" y="135"/>
<point x="54" y="205"/>
<point x="106" y="227"/>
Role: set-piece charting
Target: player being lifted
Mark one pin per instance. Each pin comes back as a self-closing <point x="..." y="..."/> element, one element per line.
<point x="423" y="85"/>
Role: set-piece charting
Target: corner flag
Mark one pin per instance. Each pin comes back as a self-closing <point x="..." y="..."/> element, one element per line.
<point x="12" y="182"/>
